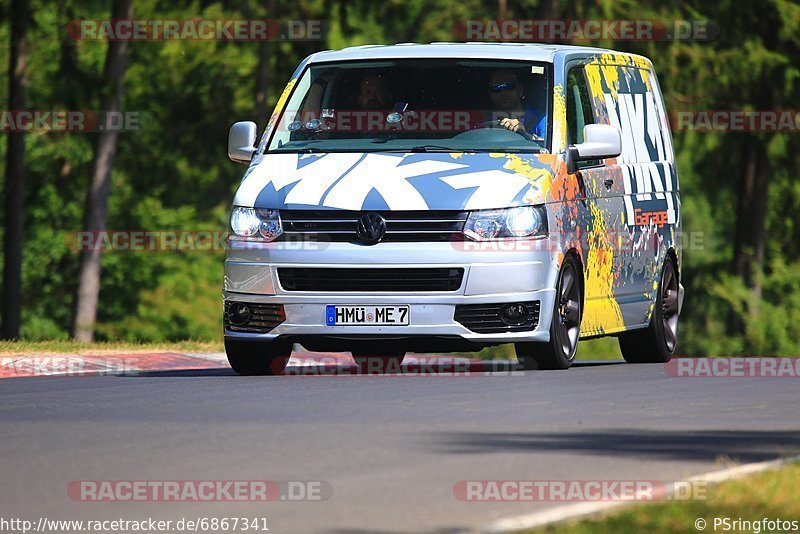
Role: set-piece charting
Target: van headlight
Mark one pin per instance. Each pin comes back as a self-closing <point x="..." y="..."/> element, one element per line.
<point x="510" y="223"/>
<point x="251" y="224"/>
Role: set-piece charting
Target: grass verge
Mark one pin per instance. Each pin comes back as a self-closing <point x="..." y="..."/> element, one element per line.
<point x="770" y="494"/>
<point x="109" y="347"/>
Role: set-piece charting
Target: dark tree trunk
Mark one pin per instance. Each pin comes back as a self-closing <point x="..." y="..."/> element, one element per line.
<point x="97" y="197"/>
<point x="14" y="223"/>
<point x="749" y="241"/>
<point x="263" y="80"/>
<point x="550" y="10"/>
<point x="750" y="229"/>
<point x="264" y="73"/>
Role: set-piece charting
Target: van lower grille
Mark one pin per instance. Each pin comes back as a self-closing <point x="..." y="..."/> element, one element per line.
<point x="343" y="280"/>
<point x="485" y="318"/>
<point x="409" y="226"/>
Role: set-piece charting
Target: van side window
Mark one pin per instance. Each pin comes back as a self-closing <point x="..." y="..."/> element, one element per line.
<point x="579" y="109"/>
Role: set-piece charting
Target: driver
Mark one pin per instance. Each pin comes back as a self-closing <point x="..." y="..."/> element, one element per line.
<point x="507" y="95"/>
<point x="374" y="92"/>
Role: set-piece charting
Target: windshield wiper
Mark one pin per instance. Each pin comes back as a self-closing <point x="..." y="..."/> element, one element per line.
<point x="428" y="148"/>
<point x="304" y="150"/>
<point x="312" y="150"/>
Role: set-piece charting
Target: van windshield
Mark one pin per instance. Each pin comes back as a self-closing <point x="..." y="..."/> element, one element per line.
<point x="422" y="105"/>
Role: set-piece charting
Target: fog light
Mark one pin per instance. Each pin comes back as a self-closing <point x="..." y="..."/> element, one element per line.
<point x="514" y="313"/>
<point x="239" y="314"/>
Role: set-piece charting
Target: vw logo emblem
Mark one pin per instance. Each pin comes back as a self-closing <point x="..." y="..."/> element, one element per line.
<point x="371" y="228"/>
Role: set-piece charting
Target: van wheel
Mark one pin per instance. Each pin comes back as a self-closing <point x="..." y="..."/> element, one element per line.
<point x="559" y="352"/>
<point x="258" y="357"/>
<point x="656" y="343"/>
<point x="378" y="360"/>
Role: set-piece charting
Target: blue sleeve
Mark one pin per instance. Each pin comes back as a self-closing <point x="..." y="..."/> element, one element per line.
<point x="534" y="126"/>
<point x="541" y="128"/>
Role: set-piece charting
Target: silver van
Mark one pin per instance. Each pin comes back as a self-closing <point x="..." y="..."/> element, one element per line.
<point x="450" y="197"/>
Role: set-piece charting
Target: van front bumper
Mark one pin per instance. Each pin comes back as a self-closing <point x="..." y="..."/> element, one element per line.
<point x="492" y="275"/>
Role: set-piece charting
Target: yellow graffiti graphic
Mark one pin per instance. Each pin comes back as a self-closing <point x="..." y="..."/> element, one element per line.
<point x="602" y="314"/>
<point x="541" y="179"/>
<point x="641" y="62"/>
<point x="624" y="60"/>
<point x="559" y="119"/>
<point x="523" y="166"/>
<point x="607" y="67"/>
<point x="653" y="294"/>
<point x="281" y="102"/>
<point x="595" y="81"/>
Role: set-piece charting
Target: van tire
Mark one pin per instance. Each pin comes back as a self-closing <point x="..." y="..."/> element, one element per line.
<point x="565" y="325"/>
<point x="253" y="358"/>
<point x="656" y="343"/>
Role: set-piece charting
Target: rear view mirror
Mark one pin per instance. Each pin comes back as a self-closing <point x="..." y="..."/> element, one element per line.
<point x="242" y="141"/>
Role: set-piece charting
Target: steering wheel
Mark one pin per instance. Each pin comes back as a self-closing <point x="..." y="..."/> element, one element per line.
<point x="495" y="125"/>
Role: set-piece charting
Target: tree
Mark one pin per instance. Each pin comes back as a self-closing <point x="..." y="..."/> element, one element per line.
<point x="263" y="71"/>
<point x="96" y="210"/>
<point x="15" y="174"/>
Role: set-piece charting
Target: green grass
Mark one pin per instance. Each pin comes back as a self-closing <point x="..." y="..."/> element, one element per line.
<point x="771" y="494"/>
<point x="602" y="348"/>
<point x="73" y="347"/>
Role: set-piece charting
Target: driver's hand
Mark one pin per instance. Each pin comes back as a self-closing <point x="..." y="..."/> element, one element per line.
<point x="515" y="125"/>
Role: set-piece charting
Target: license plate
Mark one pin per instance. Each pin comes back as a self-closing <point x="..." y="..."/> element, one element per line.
<point x="366" y="315"/>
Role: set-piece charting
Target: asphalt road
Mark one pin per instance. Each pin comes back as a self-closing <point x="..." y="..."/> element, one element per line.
<point x="391" y="448"/>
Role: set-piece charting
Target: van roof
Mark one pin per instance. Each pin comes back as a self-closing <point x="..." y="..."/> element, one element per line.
<point x="525" y="51"/>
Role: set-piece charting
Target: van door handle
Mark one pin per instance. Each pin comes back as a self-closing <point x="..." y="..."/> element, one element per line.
<point x="608" y="182"/>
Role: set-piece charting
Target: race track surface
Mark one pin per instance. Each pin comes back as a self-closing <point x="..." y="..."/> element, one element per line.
<point x="390" y="448"/>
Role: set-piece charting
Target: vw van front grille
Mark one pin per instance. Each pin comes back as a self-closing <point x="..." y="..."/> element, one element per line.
<point x="340" y="226"/>
<point x="386" y="279"/>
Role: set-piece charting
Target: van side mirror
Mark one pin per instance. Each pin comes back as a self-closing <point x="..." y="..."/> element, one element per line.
<point x="600" y="141"/>
<point x="242" y="141"/>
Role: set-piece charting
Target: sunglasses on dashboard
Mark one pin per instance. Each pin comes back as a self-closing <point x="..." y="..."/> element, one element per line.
<point x="499" y="87"/>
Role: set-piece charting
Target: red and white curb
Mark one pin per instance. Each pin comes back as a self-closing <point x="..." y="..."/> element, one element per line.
<point x="15" y="366"/>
